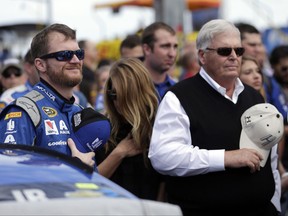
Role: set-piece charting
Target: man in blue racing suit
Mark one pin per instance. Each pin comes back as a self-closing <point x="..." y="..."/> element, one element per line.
<point x="43" y="117"/>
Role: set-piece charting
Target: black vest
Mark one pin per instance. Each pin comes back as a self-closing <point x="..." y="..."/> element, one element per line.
<point x="215" y="124"/>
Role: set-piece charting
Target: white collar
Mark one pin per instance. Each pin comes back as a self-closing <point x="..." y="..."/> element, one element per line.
<point x="239" y="87"/>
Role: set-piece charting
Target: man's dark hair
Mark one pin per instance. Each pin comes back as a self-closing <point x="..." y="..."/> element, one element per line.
<point x="40" y="43"/>
<point x="82" y="44"/>
<point x="131" y="41"/>
<point x="278" y="53"/>
<point x="246" y="28"/>
<point x="28" y="57"/>
<point x="148" y="35"/>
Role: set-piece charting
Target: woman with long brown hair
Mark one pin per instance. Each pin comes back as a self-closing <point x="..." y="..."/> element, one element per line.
<point x="131" y="103"/>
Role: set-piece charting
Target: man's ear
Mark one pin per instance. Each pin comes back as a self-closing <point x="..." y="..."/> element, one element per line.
<point x="201" y="58"/>
<point x="146" y="49"/>
<point x="40" y="65"/>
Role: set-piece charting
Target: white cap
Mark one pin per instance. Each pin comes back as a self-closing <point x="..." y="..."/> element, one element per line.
<point x="262" y="128"/>
<point x="11" y="62"/>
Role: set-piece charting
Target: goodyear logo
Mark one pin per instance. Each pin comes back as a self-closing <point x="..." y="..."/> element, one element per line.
<point x="49" y="111"/>
<point x="13" y="115"/>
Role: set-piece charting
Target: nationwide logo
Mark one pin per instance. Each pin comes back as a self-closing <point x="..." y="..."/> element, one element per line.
<point x="95" y="144"/>
<point x="13" y="115"/>
<point x="50" y="127"/>
<point x="49" y="111"/>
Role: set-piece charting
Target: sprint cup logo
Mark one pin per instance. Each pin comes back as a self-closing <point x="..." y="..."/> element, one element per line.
<point x="50" y="127"/>
<point x="49" y="111"/>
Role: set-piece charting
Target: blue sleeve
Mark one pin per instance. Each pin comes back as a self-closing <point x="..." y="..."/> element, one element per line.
<point x="276" y="96"/>
<point x="16" y="127"/>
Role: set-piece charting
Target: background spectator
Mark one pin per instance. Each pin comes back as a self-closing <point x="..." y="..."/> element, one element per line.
<point x="88" y="85"/>
<point x="160" y="47"/>
<point x="12" y="73"/>
<point x="131" y="47"/>
<point x="102" y="75"/>
<point x="251" y="74"/>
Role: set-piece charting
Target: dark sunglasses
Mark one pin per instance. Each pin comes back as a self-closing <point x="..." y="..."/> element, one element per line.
<point x="9" y="72"/>
<point x="112" y="94"/>
<point x="141" y="58"/>
<point x="226" y="51"/>
<point x="65" y="55"/>
<point x="284" y="69"/>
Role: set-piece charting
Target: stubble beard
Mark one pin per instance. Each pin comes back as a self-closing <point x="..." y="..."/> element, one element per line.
<point x="62" y="79"/>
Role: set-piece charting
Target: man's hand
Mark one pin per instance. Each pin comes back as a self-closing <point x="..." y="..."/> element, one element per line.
<point x="86" y="158"/>
<point x="243" y="158"/>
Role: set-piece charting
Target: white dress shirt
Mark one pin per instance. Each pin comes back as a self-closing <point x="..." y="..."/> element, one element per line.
<point x="171" y="149"/>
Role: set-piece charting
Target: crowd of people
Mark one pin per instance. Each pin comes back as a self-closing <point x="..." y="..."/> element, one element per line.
<point x="191" y="140"/>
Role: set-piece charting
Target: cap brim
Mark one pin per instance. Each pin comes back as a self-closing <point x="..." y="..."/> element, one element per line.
<point x="5" y="67"/>
<point x="245" y="142"/>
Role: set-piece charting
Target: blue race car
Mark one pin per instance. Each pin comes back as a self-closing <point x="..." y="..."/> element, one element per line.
<point x="37" y="181"/>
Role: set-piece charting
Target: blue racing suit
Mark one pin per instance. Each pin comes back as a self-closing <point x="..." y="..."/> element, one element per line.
<point x="12" y="93"/>
<point x="42" y="118"/>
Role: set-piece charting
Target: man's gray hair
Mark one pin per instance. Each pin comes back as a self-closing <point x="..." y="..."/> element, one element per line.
<point x="211" y="29"/>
